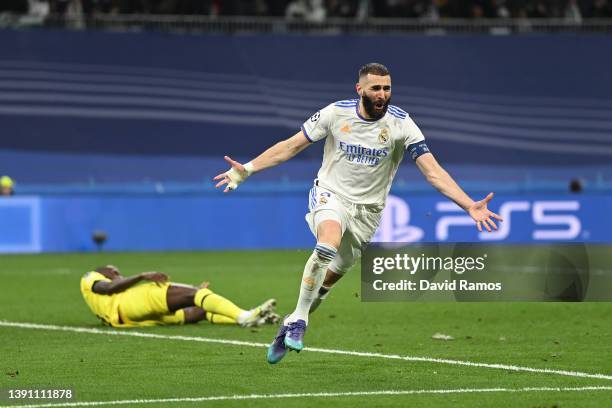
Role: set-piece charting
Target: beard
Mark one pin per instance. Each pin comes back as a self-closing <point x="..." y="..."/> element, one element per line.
<point x="370" y="107"/>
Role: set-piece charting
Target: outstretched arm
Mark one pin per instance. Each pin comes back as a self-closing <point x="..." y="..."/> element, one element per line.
<point x="275" y="155"/>
<point x="444" y="183"/>
<point x="121" y="284"/>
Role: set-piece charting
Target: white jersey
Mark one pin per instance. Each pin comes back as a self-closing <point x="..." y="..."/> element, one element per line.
<point x="361" y="156"/>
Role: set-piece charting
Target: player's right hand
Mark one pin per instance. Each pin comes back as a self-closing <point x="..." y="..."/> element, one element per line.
<point x="154" y="276"/>
<point x="233" y="177"/>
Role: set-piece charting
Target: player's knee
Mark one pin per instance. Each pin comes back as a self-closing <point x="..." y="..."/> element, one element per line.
<point x="179" y="297"/>
<point x="330" y="233"/>
<point x="194" y="315"/>
<point x="325" y="252"/>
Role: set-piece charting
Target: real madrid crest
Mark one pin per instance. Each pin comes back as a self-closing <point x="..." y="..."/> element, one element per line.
<point x="323" y="200"/>
<point x="383" y="137"/>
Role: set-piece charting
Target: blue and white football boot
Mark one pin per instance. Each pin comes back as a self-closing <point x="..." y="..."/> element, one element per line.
<point x="294" y="339"/>
<point x="277" y="350"/>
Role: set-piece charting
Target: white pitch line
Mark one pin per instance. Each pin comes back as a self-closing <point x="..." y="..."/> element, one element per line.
<point x="312" y="395"/>
<point x="111" y="332"/>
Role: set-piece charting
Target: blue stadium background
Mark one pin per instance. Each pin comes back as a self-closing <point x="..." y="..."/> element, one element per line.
<point x="122" y="132"/>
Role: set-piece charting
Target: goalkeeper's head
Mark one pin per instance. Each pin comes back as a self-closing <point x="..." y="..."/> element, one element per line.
<point x="110" y="271"/>
<point x="6" y="186"/>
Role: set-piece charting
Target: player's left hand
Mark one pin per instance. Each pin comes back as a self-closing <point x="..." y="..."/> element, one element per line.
<point x="481" y="214"/>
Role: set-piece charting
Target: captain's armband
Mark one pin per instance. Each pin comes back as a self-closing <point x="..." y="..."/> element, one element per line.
<point x="418" y="149"/>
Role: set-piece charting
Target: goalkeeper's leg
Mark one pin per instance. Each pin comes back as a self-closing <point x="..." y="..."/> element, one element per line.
<point x="182" y="296"/>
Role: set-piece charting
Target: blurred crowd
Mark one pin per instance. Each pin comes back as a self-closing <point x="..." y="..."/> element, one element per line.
<point x="320" y="10"/>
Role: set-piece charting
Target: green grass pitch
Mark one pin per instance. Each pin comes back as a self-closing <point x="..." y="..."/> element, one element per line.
<point x="45" y="289"/>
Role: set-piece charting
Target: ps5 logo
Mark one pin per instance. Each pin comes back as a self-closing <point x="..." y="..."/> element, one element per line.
<point x="568" y="226"/>
<point x="551" y="220"/>
<point x="394" y="223"/>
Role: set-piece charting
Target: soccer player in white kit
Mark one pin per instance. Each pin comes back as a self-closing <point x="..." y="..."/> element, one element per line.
<point x="365" y="141"/>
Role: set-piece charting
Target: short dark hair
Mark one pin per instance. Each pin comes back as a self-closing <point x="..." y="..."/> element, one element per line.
<point x="373" y="68"/>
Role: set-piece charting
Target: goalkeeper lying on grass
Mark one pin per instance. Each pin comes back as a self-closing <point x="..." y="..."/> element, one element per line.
<point x="148" y="299"/>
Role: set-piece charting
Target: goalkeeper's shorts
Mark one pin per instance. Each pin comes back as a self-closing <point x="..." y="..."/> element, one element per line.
<point x="145" y="305"/>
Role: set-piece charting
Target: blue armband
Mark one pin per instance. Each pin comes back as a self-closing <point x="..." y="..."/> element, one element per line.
<point x="417" y="149"/>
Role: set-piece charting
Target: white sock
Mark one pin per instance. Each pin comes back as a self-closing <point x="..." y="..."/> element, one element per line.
<point x="323" y="292"/>
<point x="312" y="279"/>
<point x="321" y="296"/>
<point x="243" y="316"/>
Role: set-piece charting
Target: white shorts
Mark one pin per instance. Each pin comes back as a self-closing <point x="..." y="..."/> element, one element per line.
<point x="359" y="222"/>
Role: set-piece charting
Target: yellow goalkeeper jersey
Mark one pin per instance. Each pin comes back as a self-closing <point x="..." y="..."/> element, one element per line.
<point x="106" y="307"/>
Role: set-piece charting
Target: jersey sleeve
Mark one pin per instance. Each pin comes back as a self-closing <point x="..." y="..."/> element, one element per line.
<point x="88" y="280"/>
<point x="412" y="133"/>
<point x="414" y="141"/>
<point x="318" y="126"/>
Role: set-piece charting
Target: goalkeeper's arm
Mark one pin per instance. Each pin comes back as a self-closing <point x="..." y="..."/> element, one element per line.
<point x="275" y="155"/>
<point x="121" y="284"/>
